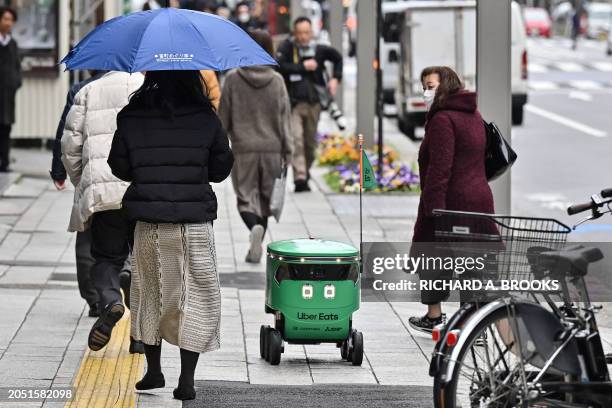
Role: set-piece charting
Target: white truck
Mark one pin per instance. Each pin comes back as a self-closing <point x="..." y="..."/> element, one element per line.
<point x="443" y="32"/>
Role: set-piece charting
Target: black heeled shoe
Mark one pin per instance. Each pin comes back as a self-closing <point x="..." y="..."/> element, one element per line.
<point x="184" y="392"/>
<point x="150" y="381"/>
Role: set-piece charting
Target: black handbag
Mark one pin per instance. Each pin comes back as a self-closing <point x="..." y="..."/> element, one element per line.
<point x="499" y="156"/>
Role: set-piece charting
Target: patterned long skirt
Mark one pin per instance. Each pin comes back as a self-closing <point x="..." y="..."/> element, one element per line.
<point x="175" y="292"/>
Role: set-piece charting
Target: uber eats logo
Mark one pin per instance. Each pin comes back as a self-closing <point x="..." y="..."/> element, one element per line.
<point x="315" y="316"/>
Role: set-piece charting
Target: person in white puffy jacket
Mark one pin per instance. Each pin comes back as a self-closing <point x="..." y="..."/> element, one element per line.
<point x="86" y="142"/>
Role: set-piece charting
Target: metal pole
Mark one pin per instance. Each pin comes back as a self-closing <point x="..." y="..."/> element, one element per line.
<point x="366" y="77"/>
<point x="379" y="90"/>
<point x="493" y="46"/>
<point x="360" y="139"/>
<point x="336" y="24"/>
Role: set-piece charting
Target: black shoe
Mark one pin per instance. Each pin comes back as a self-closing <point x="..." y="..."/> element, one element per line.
<point x="94" y="310"/>
<point x="150" y="381"/>
<point x="136" y="347"/>
<point x="125" y="281"/>
<point x="101" y="330"/>
<point x="426" y="324"/>
<point x="184" y="392"/>
<point x="301" y="186"/>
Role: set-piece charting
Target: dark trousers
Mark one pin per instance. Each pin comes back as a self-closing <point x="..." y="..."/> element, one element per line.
<point x="111" y="235"/>
<point x="5" y="146"/>
<point x="85" y="264"/>
<point x="250" y="220"/>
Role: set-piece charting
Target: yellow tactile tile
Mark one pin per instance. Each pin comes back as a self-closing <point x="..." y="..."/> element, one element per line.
<point x="106" y="378"/>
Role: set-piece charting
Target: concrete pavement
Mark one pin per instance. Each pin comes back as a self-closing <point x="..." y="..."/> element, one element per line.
<point x="44" y="325"/>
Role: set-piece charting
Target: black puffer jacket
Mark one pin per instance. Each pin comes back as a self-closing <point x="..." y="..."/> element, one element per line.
<point x="170" y="163"/>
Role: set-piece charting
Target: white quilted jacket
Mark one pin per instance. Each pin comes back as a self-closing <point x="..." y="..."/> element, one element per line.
<point x="86" y="142"/>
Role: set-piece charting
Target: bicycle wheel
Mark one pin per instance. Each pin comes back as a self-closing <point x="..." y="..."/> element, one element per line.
<point x="488" y="372"/>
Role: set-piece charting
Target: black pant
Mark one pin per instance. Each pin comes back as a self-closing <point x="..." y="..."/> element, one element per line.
<point x="85" y="264"/>
<point x="5" y="146"/>
<point x="111" y="235"/>
<point x="250" y="220"/>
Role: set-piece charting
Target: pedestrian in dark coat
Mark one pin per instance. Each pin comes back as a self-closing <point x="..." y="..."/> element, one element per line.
<point x="10" y="82"/>
<point x="261" y="141"/>
<point x="170" y="145"/>
<point x="302" y="63"/>
<point x="451" y="166"/>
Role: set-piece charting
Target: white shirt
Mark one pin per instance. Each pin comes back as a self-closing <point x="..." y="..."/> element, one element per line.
<point x="5" y="39"/>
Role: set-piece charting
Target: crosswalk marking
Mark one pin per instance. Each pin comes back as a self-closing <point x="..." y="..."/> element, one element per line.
<point x="537" y="68"/>
<point x="602" y="66"/>
<point x="542" y="67"/>
<point x="584" y="84"/>
<point x="570" y="66"/>
<point x="543" y="85"/>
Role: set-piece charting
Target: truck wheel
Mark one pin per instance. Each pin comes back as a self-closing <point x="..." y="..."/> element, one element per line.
<point x="609" y="51"/>
<point x="405" y="127"/>
<point x="262" y="340"/>
<point x="357" y="355"/>
<point x="517" y="115"/>
<point x="275" y="345"/>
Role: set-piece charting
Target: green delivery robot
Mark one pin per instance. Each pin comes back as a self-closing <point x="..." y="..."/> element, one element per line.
<point x="312" y="288"/>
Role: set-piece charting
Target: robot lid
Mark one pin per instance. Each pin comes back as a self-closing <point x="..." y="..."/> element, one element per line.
<point x="312" y="248"/>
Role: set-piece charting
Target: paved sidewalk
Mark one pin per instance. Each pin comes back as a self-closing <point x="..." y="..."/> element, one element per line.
<point x="44" y="326"/>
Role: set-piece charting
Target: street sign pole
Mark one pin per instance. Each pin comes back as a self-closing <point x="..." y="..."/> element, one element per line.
<point x="493" y="80"/>
<point x="366" y="77"/>
<point x="379" y="90"/>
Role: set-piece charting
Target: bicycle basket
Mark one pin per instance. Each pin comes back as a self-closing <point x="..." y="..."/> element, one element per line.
<point x="513" y="239"/>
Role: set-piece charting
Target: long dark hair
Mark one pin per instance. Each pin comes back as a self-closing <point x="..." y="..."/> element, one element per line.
<point x="450" y="84"/>
<point x="167" y="90"/>
<point x="263" y="39"/>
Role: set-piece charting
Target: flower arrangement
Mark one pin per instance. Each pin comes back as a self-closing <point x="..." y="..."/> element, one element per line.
<point x="342" y="154"/>
<point x="336" y="149"/>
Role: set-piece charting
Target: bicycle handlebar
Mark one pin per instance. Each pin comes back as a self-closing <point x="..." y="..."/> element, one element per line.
<point x="607" y="193"/>
<point x="578" y="208"/>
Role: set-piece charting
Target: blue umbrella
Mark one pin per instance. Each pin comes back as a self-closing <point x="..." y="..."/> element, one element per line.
<point x="166" y="39"/>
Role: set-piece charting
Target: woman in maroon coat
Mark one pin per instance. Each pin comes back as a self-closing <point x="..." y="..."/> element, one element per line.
<point x="451" y="165"/>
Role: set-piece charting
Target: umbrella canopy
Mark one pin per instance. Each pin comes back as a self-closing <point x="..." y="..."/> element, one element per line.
<point x="166" y="39"/>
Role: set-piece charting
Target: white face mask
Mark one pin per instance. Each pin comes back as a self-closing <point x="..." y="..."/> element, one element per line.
<point x="244" y="17"/>
<point x="429" y="96"/>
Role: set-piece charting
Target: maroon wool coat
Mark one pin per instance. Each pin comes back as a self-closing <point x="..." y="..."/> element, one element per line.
<point x="451" y="163"/>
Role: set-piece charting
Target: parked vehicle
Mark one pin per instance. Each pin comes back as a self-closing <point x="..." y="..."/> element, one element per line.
<point x="432" y="33"/>
<point x="537" y="22"/>
<point x="599" y="19"/>
<point x="536" y="349"/>
<point x="444" y="33"/>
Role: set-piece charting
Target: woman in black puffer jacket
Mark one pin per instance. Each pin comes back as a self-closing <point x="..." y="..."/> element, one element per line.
<point x="170" y="144"/>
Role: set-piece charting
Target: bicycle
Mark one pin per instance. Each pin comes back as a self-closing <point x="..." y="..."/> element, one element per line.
<point x="535" y="349"/>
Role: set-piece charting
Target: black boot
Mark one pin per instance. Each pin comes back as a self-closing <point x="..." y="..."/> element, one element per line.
<point x="154" y="378"/>
<point x="186" y="389"/>
<point x="301" y="186"/>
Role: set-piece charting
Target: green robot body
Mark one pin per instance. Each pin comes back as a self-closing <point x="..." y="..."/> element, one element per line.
<point x="313" y="289"/>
